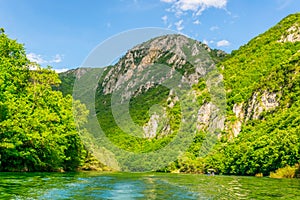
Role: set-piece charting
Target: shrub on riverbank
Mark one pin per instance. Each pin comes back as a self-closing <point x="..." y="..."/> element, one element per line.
<point x="287" y="172"/>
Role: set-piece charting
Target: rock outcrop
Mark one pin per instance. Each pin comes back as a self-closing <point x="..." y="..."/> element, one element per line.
<point x="292" y="34"/>
<point x="253" y="109"/>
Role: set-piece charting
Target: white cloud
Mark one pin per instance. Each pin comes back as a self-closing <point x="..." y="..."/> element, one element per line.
<point x="165" y="19"/>
<point x="61" y="70"/>
<point x="196" y="6"/>
<point x="208" y="42"/>
<point x="179" y="25"/>
<point x="197" y="22"/>
<point x="39" y="59"/>
<point x="214" y="28"/>
<point x="223" y="43"/>
<point x="36" y="58"/>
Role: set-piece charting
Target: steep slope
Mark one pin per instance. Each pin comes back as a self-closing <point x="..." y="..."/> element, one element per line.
<point x="253" y="75"/>
<point x="263" y="86"/>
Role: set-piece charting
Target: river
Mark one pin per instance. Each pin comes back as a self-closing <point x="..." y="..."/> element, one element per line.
<point x="95" y="185"/>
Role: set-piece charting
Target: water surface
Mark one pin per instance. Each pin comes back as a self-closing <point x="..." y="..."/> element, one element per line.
<point x="95" y="185"/>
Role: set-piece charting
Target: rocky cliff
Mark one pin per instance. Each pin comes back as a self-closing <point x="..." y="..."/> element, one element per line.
<point x="147" y="66"/>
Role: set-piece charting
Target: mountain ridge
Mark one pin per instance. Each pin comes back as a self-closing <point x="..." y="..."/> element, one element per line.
<point x="261" y="80"/>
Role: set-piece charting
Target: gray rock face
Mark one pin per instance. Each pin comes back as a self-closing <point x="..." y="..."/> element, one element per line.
<point x="239" y="113"/>
<point x="204" y="116"/>
<point x="292" y="34"/>
<point x="259" y="103"/>
<point x="176" y="50"/>
<point x="157" y="125"/>
<point x="151" y="127"/>
<point x="209" y="118"/>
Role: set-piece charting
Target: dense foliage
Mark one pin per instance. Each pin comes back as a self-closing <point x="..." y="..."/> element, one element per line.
<point x="139" y="110"/>
<point x="273" y="141"/>
<point x="37" y="129"/>
<point x="247" y="67"/>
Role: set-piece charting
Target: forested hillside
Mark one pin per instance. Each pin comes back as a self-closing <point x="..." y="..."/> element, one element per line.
<point x="262" y="81"/>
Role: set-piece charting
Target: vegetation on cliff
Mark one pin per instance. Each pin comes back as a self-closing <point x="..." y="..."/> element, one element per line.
<point x="269" y="63"/>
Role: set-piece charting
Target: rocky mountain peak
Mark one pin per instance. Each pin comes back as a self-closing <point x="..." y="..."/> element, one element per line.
<point x="175" y="43"/>
<point x="188" y="56"/>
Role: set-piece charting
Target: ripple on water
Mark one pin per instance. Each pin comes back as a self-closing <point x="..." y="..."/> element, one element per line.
<point x="124" y="186"/>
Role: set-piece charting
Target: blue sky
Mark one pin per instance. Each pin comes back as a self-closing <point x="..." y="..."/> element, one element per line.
<point x="62" y="33"/>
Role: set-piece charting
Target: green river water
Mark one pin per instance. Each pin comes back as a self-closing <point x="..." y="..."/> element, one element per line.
<point x="95" y="185"/>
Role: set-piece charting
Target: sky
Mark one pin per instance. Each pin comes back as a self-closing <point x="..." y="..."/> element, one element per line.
<point x="62" y="33"/>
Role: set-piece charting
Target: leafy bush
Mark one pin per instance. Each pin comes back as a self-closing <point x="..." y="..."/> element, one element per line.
<point x="286" y="172"/>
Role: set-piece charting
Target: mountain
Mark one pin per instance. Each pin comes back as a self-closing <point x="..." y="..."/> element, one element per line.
<point x="248" y="99"/>
<point x="165" y="72"/>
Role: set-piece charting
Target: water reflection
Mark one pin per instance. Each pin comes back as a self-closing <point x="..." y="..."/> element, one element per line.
<point x="142" y="186"/>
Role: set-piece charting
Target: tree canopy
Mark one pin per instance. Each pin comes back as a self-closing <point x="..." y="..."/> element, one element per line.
<point x="37" y="129"/>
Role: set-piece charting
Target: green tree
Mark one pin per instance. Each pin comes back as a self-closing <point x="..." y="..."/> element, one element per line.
<point x="37" y="129"/>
